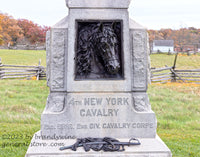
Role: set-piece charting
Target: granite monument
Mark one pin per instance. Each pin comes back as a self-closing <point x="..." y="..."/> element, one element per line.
<point x="97" y="72"/>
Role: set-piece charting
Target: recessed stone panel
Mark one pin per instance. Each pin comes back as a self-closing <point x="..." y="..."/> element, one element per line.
<point x="58" y="60"/>
<point x="139" y="60"/>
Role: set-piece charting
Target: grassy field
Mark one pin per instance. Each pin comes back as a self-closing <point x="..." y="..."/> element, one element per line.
<point x="21" y="105"/>
<point x="177" y="107"/>
<point x="23" y="57"/>
<point x="183" y="61"/>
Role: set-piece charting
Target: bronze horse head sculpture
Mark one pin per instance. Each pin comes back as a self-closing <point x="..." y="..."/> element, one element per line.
<point x="98" y="51"/>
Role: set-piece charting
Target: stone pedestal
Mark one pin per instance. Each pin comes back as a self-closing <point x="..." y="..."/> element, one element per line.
<point x="150" y="147"/>
<point x="101" y="107"/>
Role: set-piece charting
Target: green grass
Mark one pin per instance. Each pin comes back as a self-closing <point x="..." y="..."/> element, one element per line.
<point x="177" y="108"/>
<point x="21" y="105"/>
<point x="183" y="61"/>
<point x="23" y="57"/>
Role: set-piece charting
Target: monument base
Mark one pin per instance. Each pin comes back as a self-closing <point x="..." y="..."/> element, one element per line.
<point x="150" y="147"/>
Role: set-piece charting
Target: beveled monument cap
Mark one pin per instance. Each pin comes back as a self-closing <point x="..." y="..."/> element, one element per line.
<point x="106" y="4"/>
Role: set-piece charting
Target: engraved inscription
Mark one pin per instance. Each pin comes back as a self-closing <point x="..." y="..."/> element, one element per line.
<point x="99" y="112"/>
<point x="103" y="114"/>
<point x="93" y="101"/>
<point x="79" y="126"/>
<point x="100" y="101"/>
<point x="65" y="126"/>
<point x="117" y="101"/>
<point x="106" y="107"/>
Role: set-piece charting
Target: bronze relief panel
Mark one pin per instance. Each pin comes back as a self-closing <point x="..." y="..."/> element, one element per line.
<point x="99" y="50"/>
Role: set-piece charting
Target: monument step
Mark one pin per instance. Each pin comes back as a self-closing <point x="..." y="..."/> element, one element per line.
<point x="150" y="147"/>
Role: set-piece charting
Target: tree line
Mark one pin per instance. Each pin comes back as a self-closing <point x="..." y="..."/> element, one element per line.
<point x="182" y="37"/>
<point x="13" y="31"/>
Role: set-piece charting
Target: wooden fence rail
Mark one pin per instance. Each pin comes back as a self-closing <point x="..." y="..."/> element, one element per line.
<point x="166" y="74"/>
<point x="163" y="75"/>
<point x="22" y="72"/>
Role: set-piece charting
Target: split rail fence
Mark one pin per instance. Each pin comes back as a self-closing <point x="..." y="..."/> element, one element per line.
<point x="166" y="74"/>
<point x="22" y="72"/>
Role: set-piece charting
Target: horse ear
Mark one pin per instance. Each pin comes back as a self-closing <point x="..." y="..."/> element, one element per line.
<point x="101" y="27"/>
<point x="113" y="25"/>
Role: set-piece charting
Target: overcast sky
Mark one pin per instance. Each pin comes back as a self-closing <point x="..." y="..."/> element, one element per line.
<point x="153" y="14"/>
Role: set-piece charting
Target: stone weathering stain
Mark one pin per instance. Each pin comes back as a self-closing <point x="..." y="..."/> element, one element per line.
<point x="97" y="72"/>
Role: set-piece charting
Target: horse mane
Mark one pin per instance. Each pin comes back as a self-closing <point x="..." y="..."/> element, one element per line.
<point x="88" y="39"/>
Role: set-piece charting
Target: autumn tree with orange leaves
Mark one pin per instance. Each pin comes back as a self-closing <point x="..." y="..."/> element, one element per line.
<point x="12" y="31"/>
<point x="33" y="32"/>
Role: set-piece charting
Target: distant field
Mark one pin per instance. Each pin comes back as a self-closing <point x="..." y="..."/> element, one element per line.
<point x="183" y="61"/>
<point x="23" y="57"/>
<point x="177" y="107"/>
<point x="31" y="57"/>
